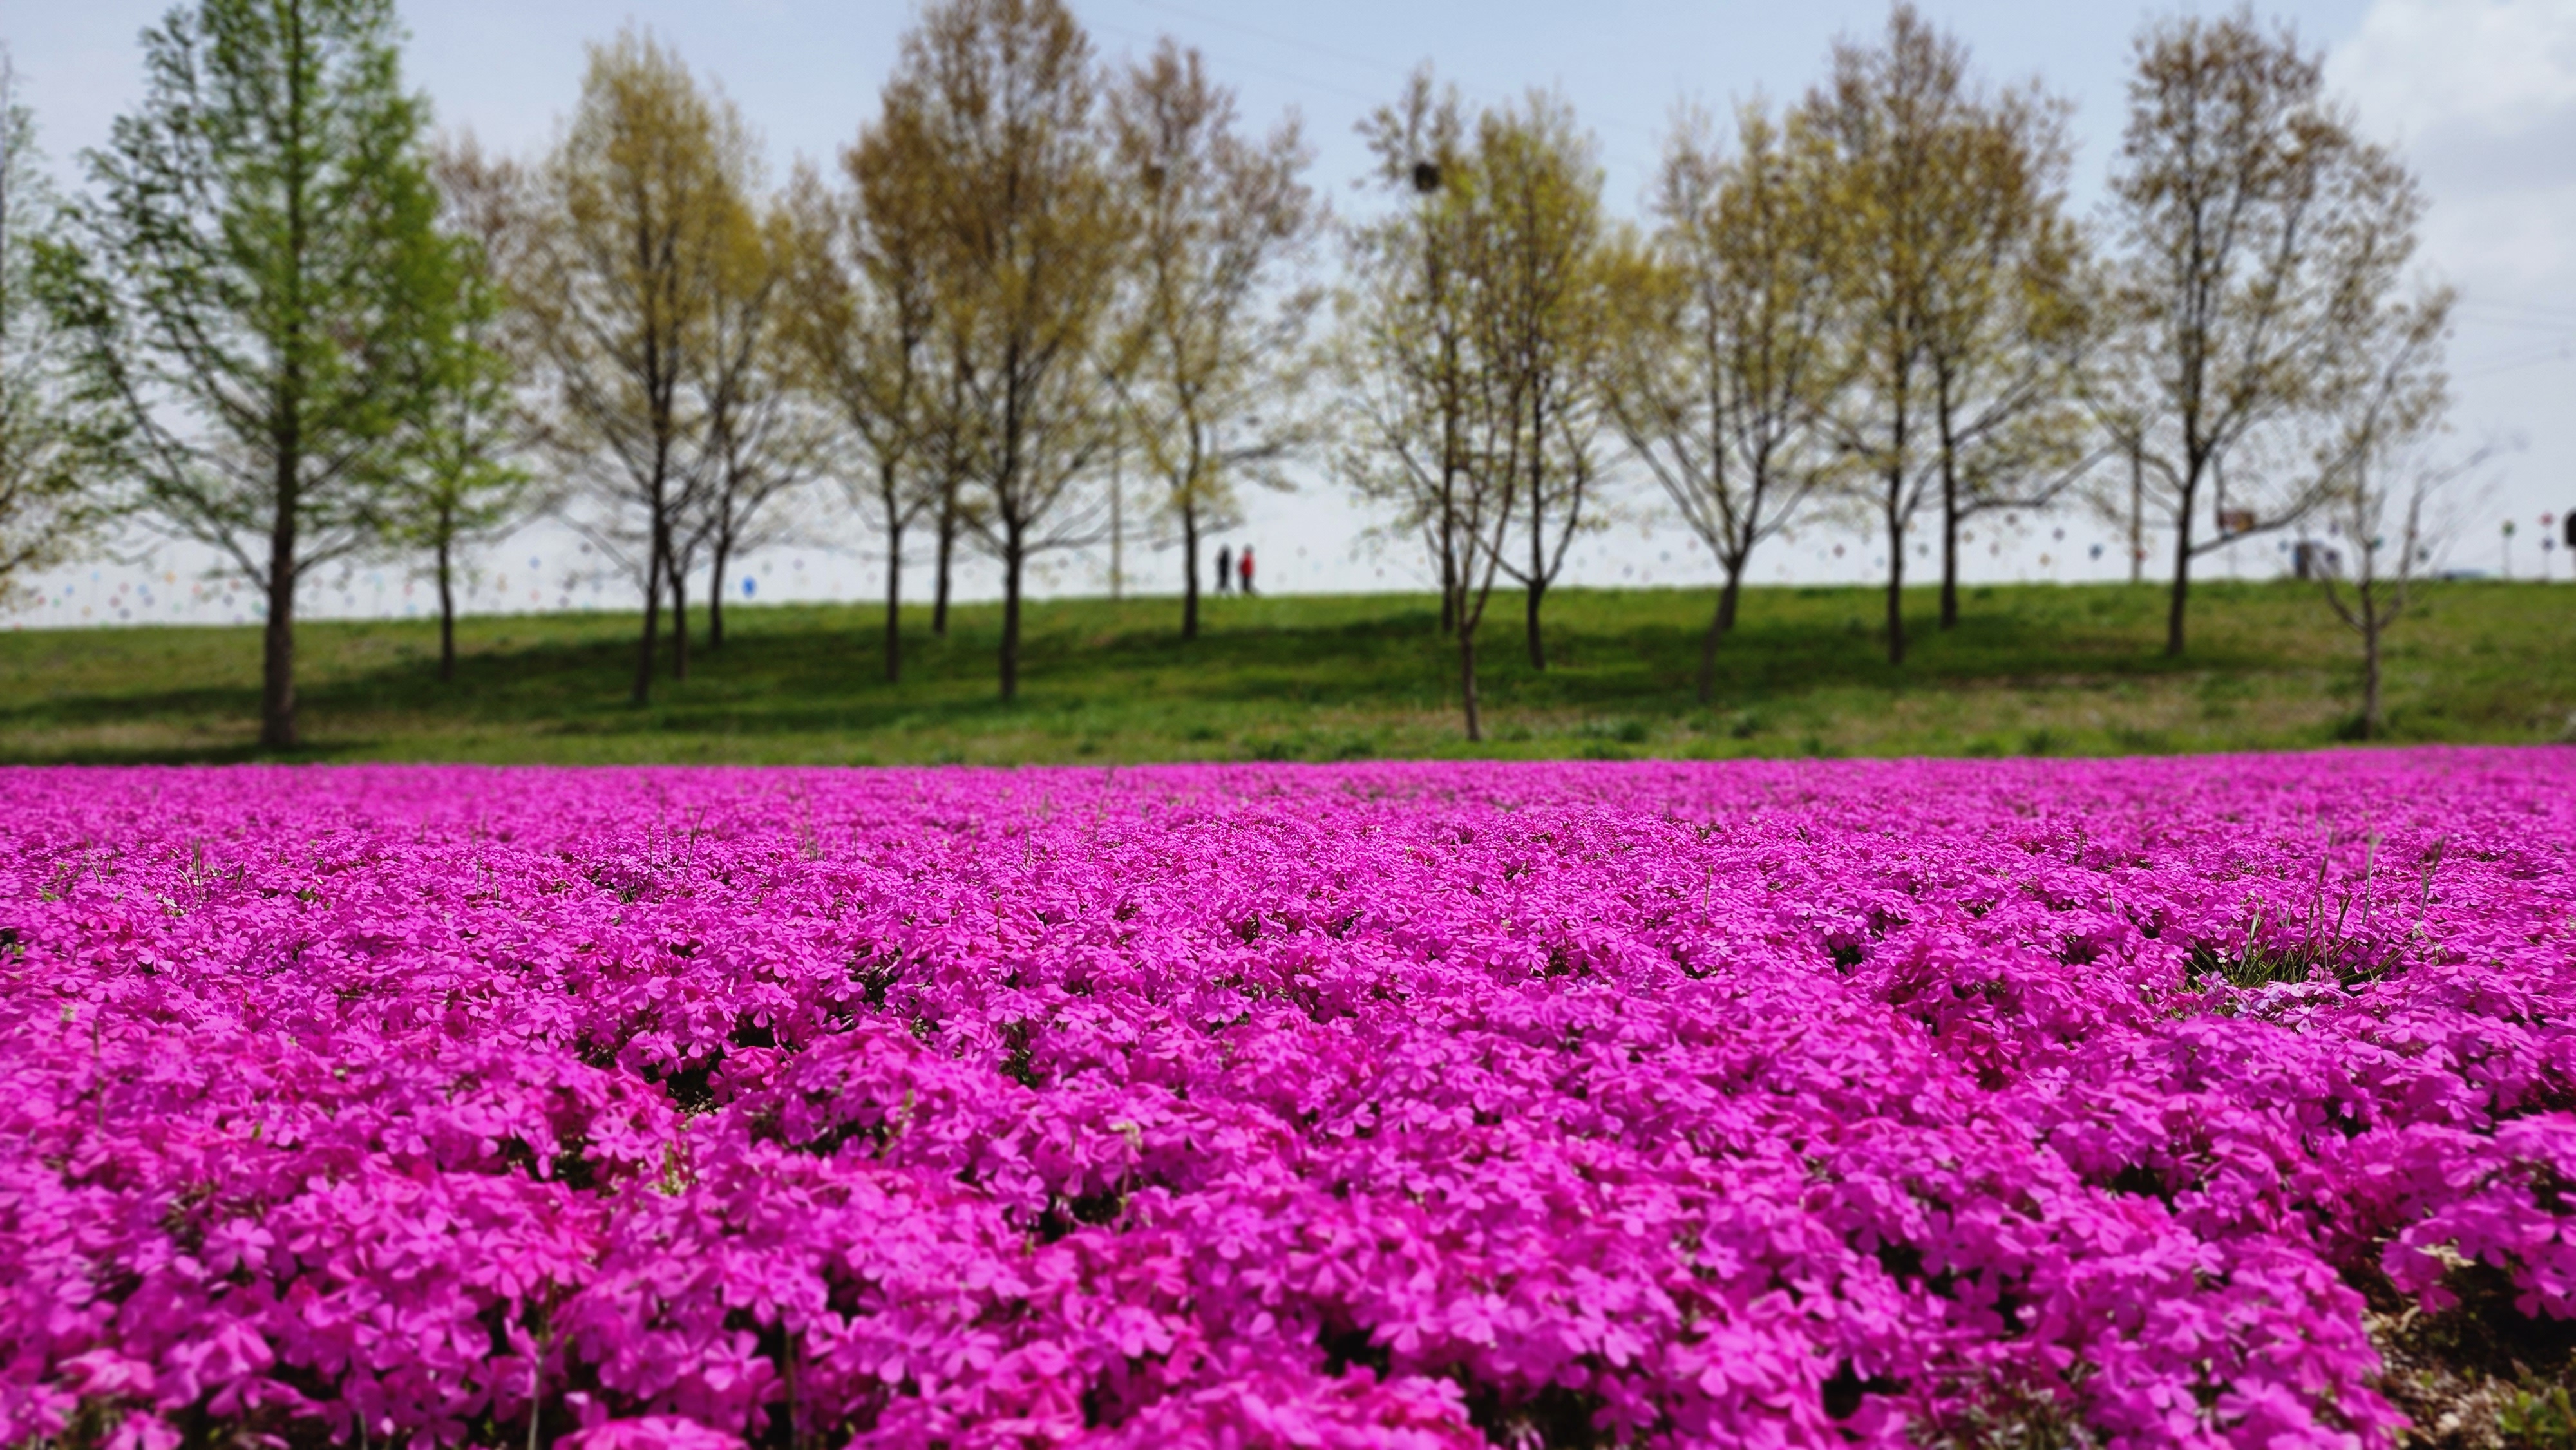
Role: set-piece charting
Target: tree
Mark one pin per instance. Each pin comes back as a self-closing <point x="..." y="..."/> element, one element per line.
<point x="2381" y="476"/>
<point x="2006" y="319"/>
<point x="1034" y="245"/>
<point x="1891" y="117"/>
<point x="256" y="265"/>
<point x="47" y="505"/>
<point x="2108" y="386"/>
<point x="1537" y="261"/>
<point x="2260" y="236"/>
<point x="1480" y="522"/>
<point x="1432" y="424"/>
<point x="1402" y="344"/>
<point x="463" y="485"/>
<point x="1725" y="345"/>
<point x="763" y="442"/>
<point x="635" y="210"/>
<point x="1211" y="333"/>
<point x="905" y="375"/>
<point x="865" y="319"/>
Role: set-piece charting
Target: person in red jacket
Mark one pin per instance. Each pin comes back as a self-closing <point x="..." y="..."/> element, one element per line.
<point x="1243" y="567"/>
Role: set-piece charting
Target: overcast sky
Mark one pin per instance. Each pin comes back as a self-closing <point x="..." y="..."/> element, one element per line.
<point x="2479" y="95"/>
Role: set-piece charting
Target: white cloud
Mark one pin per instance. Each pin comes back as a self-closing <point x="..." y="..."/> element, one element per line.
<point x="2479" y="97"/>
<point x="2493" y="70"/>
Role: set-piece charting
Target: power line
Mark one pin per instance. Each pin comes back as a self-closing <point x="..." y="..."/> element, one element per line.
<point x="2540" y="311"/>
<point x="1258" y="33"/>
<point x="1372" y="63"/>
<point x="2527" y="324"/>
<point x="1237" y="62"/>
<point x="2555" y="354"/>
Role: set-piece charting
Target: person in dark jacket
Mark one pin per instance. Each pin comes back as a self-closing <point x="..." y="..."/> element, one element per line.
<point x="1224" y="566"/>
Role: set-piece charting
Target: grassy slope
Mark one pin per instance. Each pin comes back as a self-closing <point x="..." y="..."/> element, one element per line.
<point x="2032" y="669"/>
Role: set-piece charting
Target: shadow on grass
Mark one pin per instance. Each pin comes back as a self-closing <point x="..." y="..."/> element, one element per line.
<point x="803" y="682"/>
<point x="1318" y="676"/>
<point x="243" y="754"/>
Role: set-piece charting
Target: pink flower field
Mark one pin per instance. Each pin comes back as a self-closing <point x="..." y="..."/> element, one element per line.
<point x="2136" y="1103"/>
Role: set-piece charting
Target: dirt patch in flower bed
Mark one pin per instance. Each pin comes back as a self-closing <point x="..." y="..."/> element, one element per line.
<point x="2180" y="1102"/>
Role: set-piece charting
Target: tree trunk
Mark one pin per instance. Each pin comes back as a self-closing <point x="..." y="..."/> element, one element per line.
<point x="1949" y="546"/>
<point x="679" y="622"/>
<point x="2181" y="577"/>
<point x="1898" y="433"/>
<point x="1011" y="616"/>
<point x="1895" y="582"/>
<point x="1717" y="627"/>
<point x="277" y="643"/>
<point x="715" y="599"/>
<point x="1467" y="674"/>
<point x="894" y="603"/>
<point x="947" y="548"/>
<point x="1538" y="540"/>
<point x="1537" y="648"/>
<point x="2137" y="516"/>
<point x="446" y="610"/>
<point x="1448" y="587"/>
<point x="1189" y="571"/>
<point x="652" y="616"/>
<point x="2370" y="723"/>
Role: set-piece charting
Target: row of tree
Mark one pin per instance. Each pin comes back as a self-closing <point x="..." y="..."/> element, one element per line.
<point x="253" y="327"/>
<point x="283" y="322"/>
<point x="1876" y="301"/>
